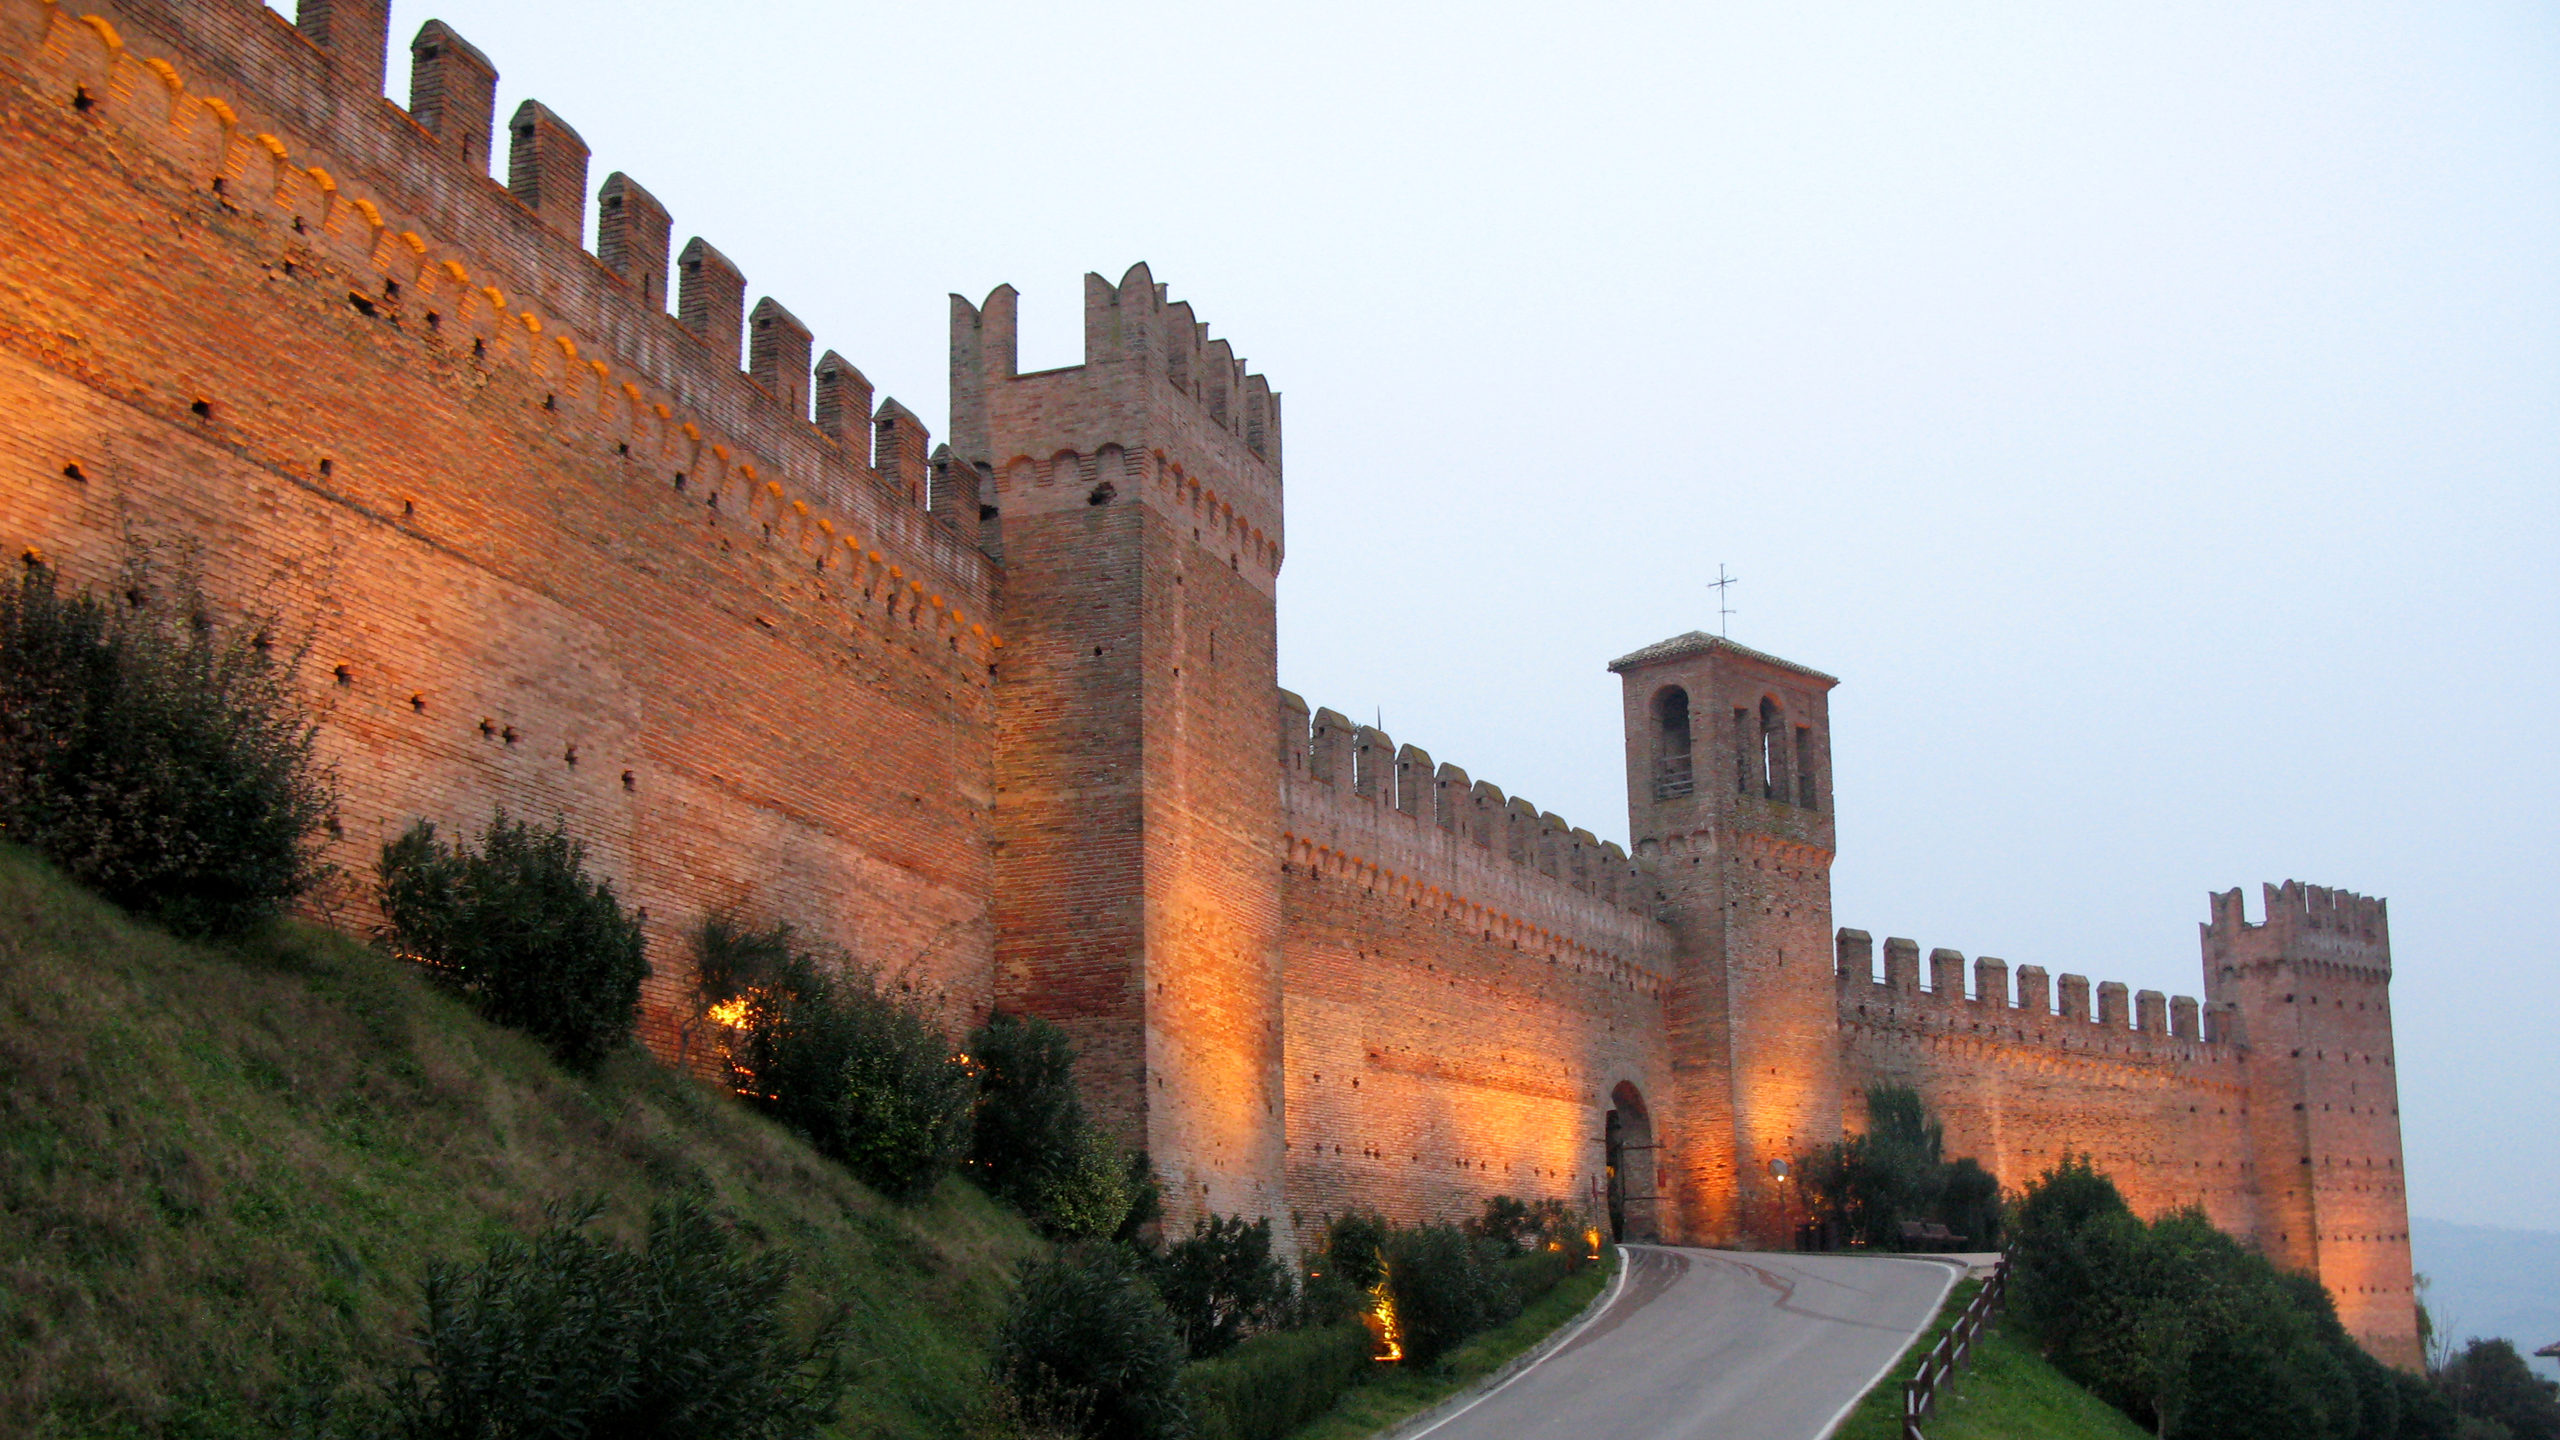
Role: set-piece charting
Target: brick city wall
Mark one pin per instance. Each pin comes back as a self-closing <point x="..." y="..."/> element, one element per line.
<point x="2273" y="1107"/>
<point x="557" y="549"/>
<point x="2018" y="1084"/>
<point x="552" y="549"/>
<point x="1472" y="985"/>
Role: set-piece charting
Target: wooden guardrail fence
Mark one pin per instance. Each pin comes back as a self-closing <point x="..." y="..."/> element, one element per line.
<point x="1954" y="1349"/>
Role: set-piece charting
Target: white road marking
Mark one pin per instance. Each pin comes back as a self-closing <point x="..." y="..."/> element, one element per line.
<point x="1617" y="1283"/>
<point x="1955" y="1271"/>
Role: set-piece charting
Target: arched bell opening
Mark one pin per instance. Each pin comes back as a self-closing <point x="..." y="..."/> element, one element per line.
<point x="1674" y="771"/>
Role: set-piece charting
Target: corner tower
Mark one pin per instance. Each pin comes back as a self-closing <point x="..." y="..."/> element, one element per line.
<point x="2311" y="988"/>
<point x="1729" y="806"/>
<point x="1134" y="501"/>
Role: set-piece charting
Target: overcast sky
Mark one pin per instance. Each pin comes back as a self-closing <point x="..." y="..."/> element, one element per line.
<point x="2150" y="413"/>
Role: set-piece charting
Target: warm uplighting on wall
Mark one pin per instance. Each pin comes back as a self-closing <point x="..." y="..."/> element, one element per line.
<point x="731" y="1014"/>
<point x="1381" y="1321"/>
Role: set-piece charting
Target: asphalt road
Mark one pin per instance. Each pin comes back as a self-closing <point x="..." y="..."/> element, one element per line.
<point x="1715" y="1345"/>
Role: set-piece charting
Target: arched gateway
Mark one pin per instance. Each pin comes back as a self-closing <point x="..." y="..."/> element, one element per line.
<point x="1632" y="1196"/>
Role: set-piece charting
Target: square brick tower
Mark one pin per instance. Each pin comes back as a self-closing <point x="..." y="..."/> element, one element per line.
<point x="2311" y="988"/>
<point x="1135" y="502"/>
<point x="1729" y="806"/>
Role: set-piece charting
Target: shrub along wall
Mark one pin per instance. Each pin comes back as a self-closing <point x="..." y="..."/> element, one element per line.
<point x="1081" y="1348"/>
<point x="1276" y="1382"/>
<point x="160" y="759"/>
<point x="515" y="924"/>
<point x="855" y="1064"/>
<point x="2191" y="1334"/>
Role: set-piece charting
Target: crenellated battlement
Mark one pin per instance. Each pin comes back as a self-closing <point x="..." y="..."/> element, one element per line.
<point x="331" y="232"/>
<point x="1326" y="754"/>
<point x="2304" y="924"/>
<point x="2031" y="1007"/>
<point x="1159" y="412"/>
<point x="1137" y="320"/>
<point x="280" y="122"/>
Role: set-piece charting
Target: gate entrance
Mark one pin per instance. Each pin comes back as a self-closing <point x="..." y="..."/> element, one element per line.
<point x="1628" y="1168"/>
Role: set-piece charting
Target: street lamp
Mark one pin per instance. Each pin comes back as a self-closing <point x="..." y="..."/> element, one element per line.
<point x="1779" y="1170"/>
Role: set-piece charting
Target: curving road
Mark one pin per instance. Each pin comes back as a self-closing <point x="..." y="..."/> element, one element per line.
<point x="1714" y="1345"/>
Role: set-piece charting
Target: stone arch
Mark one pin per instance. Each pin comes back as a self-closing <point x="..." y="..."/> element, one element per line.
<point x="1629" y="1172"/>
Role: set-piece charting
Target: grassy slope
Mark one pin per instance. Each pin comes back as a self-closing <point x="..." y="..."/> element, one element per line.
<point x="2008" y="1393"/>
<point x="225" y="1169"/>
<point x="1879" y="1415"/>
<point x="1393" y="1398"/>
<point x="2011" y="1393"/>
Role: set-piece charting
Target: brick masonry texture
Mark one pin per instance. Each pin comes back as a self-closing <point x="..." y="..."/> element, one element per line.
<point x="1002" y="715"/>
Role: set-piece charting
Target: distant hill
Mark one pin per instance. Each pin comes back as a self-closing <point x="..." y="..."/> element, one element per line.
<point x="2482" y="1280"/>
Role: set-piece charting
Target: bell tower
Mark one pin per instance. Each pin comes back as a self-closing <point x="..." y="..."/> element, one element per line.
<point x="1729" y="806"/>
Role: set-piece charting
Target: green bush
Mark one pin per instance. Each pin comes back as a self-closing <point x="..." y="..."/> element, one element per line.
<point x="1086" y="1193"/>
<point x="2191" y="1334"/>
<point x="1507" y="1221"/>
<point x="1028" y="1111"/>
<point x="859" y="1069"/>
<point x="1146" y="1201"/>
<point x="1447" y="1285"/>
<point x="159" y="761"/>
<point x="1343" y="1275"/>
<point x="1222" y="1284"/>
<point x="518" y="928"/>
<point x="1033" y="1146"/>
<point x="1533" y="1274"/>
<point x="571" y="1335"/>
<point x="2068" y="1238"/>
<point x="1548" y="1226"/>
<point x="2489" y="1383"/>
<point x="1863" y="1189"/>
<point x="1968" y="1203"/>
<point x="1089" y="1349"/>
<point x="1275" y="1382"/>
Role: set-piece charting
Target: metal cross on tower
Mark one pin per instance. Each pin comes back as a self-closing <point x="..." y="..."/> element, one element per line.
<point x="1723" y="585"/>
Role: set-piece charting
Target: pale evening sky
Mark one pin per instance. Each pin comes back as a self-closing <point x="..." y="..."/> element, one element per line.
<point x="2150" y="412"/>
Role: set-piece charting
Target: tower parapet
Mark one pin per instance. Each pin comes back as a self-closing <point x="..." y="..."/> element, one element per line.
<point x="1158" y="413"/>
<point x="2304" y="924"/>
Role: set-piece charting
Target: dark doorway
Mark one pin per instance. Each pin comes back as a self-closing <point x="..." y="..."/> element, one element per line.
<point x="1617" y="1173"/>
<point x="1630" y="1170"/>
